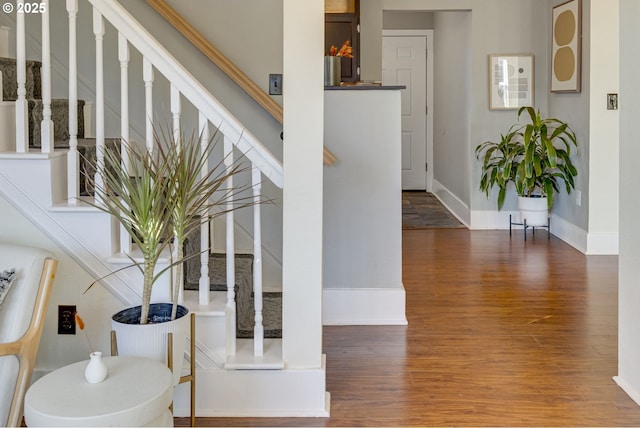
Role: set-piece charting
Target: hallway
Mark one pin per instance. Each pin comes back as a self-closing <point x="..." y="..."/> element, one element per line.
<point x="501" y="333"/>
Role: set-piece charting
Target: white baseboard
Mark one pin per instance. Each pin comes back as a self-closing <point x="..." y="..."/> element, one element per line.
<point x="631" y="392"/>
<point x="364" y="306"/>
<point x="451" y="202"/>
<point x="581" y="240"/>
<point x="482" y="220"/>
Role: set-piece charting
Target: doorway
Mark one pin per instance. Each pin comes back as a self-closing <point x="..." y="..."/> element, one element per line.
<point x="407" y="61"/>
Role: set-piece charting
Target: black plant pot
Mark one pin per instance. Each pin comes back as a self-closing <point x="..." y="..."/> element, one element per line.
<point x="158" y="313"/>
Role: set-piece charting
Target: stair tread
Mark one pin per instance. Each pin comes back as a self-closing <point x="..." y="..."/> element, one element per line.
<point x="216" y="306"/>
<point x="81" y="205"/>
<point x="245" y="360"/>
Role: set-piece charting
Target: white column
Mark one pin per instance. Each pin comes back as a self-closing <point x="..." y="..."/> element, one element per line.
<point x="204" y="283"/>
<point x="303" y="88"/>
<point x="604" y="130"/>
<point x="258" y="329"/>
<point x="628" y="267"/>
<point x="22" y="126"/>
<point x="230" y="310"/>
<point x="46" y="126"/>
<point x="73" y="159"/>
<point x="98" y="31"/>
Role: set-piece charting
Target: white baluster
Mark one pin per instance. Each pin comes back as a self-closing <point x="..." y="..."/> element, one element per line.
<point x="258" y="329"/>
<point x="98" y="31"/>
<point x="176" y="110"/>
<point x="73" y="158"/>
<point x="147" y="76"/>
<point x="204" y="283"/>
<point x="123" y="57"/>
<point x="231" y="250"/>
<point x="46" y="126"/>
<point x="22" y="127"/>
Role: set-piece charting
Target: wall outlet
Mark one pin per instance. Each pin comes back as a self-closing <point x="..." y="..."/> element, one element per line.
<point x="275" y="84"/>
<point x="578" y="198"/>
<point x="66" y="319"/>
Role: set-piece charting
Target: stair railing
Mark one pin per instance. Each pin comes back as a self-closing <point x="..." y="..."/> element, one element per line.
<point x="226" y="65"/>
<point x="182" y="86"/>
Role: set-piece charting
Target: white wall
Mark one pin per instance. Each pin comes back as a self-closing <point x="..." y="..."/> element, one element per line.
<point x="248" y="32"/>
<point x="573" y="108"/>
<point x="528" y="28"/>
<point x="629" y="268"/>
<point x="363" y="208"/>
<point x="403" y="20"/>
<point x="95" y="307"/>
<point x="604" y="125"/>
<point x="452" y="103"/>
<point x="371" y="40"/>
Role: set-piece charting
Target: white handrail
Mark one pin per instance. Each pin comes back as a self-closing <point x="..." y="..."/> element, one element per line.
<point x="193" y="90"/>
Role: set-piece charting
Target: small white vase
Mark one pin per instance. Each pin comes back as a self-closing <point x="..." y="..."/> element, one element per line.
<point x="96" y="370"/>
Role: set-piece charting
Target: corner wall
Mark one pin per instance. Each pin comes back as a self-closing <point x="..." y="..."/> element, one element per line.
<point x="629" y="268"/>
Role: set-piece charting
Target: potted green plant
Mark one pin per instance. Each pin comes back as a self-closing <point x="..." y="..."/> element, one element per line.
<point x="535" y="157"/>
<point x="159" y="196"/>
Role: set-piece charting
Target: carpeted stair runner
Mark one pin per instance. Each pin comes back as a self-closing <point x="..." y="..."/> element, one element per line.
<point x="59" y="107"/>
<point x="271" y="302"/>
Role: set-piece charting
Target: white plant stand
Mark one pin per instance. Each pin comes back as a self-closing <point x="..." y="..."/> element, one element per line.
<point x="137" y="392"/>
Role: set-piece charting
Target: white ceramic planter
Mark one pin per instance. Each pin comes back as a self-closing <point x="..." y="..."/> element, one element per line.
<point x="151" y="340"/>
<point x="533" y="210"/>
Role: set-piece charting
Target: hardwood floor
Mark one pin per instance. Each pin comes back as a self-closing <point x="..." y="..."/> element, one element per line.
<point x="501" y="333"/>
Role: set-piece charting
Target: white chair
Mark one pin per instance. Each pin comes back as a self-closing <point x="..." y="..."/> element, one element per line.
<point x="21" y="320"/>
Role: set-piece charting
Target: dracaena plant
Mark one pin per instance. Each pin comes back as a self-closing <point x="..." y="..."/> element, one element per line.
<point x="535" y="156"/>
<point x="164" y="194"/>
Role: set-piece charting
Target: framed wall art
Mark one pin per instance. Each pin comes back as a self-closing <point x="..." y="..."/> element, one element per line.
<point x="566" y="47"/>
<point x="511" y="79"/>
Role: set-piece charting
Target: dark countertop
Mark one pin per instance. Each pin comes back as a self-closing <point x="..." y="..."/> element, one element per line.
<point x="363" y="87"/>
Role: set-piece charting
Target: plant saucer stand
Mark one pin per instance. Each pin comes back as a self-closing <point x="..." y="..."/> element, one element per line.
<point x="524" y="223"/>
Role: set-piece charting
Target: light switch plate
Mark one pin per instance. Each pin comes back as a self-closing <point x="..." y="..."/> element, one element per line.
<point x="275" y="84"/>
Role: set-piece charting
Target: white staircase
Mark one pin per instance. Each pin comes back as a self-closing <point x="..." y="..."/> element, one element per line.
<point x="235" y="377"/>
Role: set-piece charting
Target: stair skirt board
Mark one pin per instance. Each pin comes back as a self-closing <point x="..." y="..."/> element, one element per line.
<point x="271" y="301"/>
<point x="256" y="393"/>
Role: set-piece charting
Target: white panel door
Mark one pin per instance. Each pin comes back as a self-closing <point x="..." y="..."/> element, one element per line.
<point x="404" y="62"/>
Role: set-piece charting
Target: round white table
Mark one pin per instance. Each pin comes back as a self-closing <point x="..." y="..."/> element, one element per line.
<point x="137" y="392"/>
